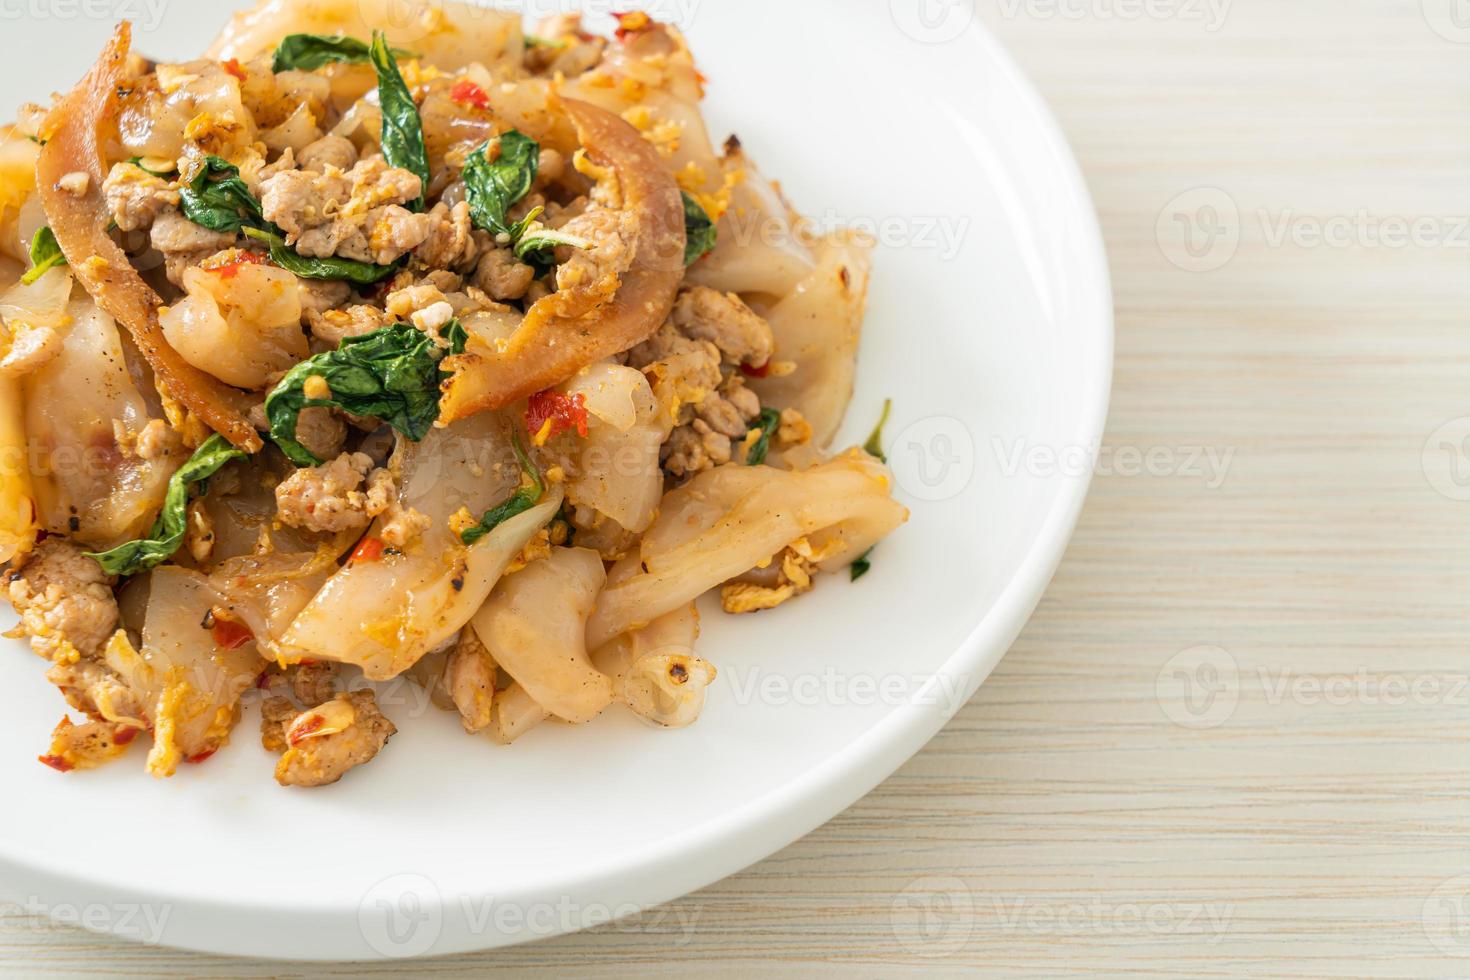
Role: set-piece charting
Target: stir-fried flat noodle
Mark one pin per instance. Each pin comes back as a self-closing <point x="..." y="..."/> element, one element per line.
<point x="653" y="671"/>
<point x="431" y="599"/>
<point x="507" y="362"/>
<point x="535" y="628"/>
<point x="403" y="608"/>
<point x="762" y="249"/>
<point x="817" y="329"/>
<point x="76" y="131"/>
<point x="190" y="684"/>
<point x="449" y="35"/>
<point x="267" y="592"/>
<point x="725" y="522"/>
<point x="616" y="471"/>
<point x="573" y="328"/>
<point x="244" y="330"/>
<point x="100" y="496"/>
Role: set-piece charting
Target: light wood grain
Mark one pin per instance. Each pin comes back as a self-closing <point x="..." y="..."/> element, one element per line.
<point x="1298" y="837"/>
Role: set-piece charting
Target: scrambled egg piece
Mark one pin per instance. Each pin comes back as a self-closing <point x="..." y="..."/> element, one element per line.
<point x="537" y="548"/>
<point x="798" y="563"/>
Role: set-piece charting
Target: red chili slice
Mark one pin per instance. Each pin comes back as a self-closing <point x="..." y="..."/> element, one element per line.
<point x="371" y="549"/>
<point x="566" y="413"/>
<point x="466" y="92"/>
<point x="229" y="634"/>
<point x="56" y="762"/>
<point x="231" y="269"/>
<point x="301" y="732"/>
<point x="756" y="372"/>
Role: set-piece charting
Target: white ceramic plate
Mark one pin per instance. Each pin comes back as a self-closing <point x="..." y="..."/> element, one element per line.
<point x="990" y="327"/>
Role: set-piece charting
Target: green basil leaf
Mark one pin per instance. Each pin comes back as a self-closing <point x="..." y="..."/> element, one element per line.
<point x="540" y="259"/>
<point x="391" y="374"/>
<point x="223" y="204"/>
<point x="348" y="270"/>
<point x="457" y="336"/>
<point x="519" y="502"/>
<point x="308" y="52"/>
<point x="492" y="189"/>
<point x="700" y="233"/>
<point x="874" y="446"/>
<point x="768" y="423"/>
<point x="519" y="229"/>
<point x="168" y="531"/>
<point x="403" y="130"/>
<point x="45" y="254"/>
<point x="862" y="566"/>
<point x="534" y="245"/>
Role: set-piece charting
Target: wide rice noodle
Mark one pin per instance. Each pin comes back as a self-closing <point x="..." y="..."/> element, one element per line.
<point x="77" y="127"/>
<point x="727" y="520"/>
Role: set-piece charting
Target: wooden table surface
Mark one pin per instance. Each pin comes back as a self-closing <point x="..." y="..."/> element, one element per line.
<point x="1235" y="738"/>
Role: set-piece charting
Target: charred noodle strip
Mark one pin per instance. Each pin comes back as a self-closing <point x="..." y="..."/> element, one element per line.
<point x="567" y="331"/>
<point x="77" y="128"/>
